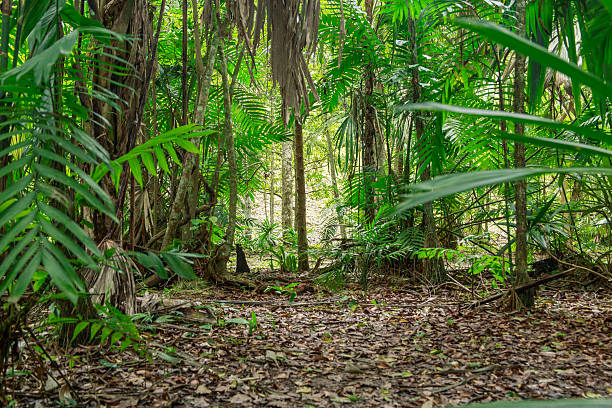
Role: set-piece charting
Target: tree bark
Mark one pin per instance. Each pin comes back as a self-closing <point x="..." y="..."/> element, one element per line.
<point x="368" y="159"/>
<point x="286" y="188"/>
<point x="520" y="187"/>
<point x="334" y="182"/>
<point x="189" y="184"/>
<point x="228" y="136"/>
<point x="272" y="188"/>
<point x="300" y="198"/>
<point x="433" y="269"/>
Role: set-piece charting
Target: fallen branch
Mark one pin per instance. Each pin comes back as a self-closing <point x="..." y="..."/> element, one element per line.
<point x="272" y="303"/>
<point x="528" y="285"/>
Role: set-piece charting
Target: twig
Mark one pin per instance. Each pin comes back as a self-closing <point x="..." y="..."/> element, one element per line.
<point x="53" y="363"/>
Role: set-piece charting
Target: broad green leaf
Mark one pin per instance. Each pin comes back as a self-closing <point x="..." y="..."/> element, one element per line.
<point x="136" y="170"/>
<point x="66" y="241"/>
<point x="95" y="327"/>
<point x="72" y="226"/>
<point x="456" y="183"/>
<point x="15" y="188"/>
<point x="78" y="329"/>
<point x="178" y="266"/>
<point x="187" y="145"/>
<point x="42" y="65"/>
<point x="161" y="159"/>
<point x="147" y="160"/>
<point x="16" y="251"/>
<point x="172" y="153"/>
<point x="17" y="229"/>
<point x="58" y="274"/>
<point x="25" y="277"/>
<point x="555" y="144"/>
<point x="18" y="206"/>
<point x="509" y="116"/>
<point x="523" y="46"/>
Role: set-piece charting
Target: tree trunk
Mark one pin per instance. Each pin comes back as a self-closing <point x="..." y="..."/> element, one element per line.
<point x="300" y="198"/>
<point x="520" y="187"/>
<point x="228" y="136"/>
<point x="331" y="160"/>
<point x="188" y="189"/>
<point x="368" y="159"/>
<point x="272" y="188"/>
<point x="433" y="269"/>
<point x="286" y="188"/>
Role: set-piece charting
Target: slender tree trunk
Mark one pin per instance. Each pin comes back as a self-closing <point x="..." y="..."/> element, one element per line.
<point x="272" y="188"/>
<point x="520" y="187"/>
<point x="331" y="160"/>
<point x="433" y="269"/>
<point x="248" y="207"/>
<point x="185" y="102"/>
<point x="228" y="135"/>
<point x="286" y="188"/>
<point x="6" y="7"/>
<point x="189" y="183"/>
<point x="369" y="133"/>
<point x="300" y="198"/>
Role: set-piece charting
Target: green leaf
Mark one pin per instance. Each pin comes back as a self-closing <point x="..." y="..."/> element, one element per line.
<point x="161" y="159"/>
<point x="17" y="229"/>
<point x="509" y="116"/>
<point x="78" y="329"/>
<point x="14" y="252"/>
<point x="76" y="186"/>
<point x="187" y="145"/>
<point x="16" y="208"/>
<point x="15" y="188"/>
<point x="58" y="274"/>
<point x="95" y="327"/>
<point x="147" y="160"/>
<point x="523" y="46"/>
<point x="136" y="170"/>
<point x="456" y="183"/>
<point x="66" y="241"/>
<point x="72" y="226"/>
<point x="555" y="144"/>
<point x="106" y="331"/>
<point x="25" y="277"/>
<point x="237" y="320"/>
<point x="172" y="153"/>
<point x="42" y="65"/>
<point x="178" y="266"/>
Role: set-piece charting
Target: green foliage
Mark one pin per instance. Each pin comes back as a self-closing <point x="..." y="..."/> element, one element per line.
<point x="284" y="290"/>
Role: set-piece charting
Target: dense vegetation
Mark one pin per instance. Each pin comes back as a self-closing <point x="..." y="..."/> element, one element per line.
<point x="430" y="144"/>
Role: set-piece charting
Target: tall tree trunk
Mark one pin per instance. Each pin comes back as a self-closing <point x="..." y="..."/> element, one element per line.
<point x="185" y="102"/>
<point x="331" y="160"/>
<point x="286" y="188"/>
<point x="520" y="187"/>
<point x="433" y="269"/>
<point x="248" y="208"/>
<point x="228" y="136"/>
<point x="272" y="188"/>
<point x="368" y="159"/>
<point x="300" y="198"/>
<point x="183" y="206"/>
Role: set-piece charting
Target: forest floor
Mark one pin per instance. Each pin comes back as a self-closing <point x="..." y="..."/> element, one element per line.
<point x="395" y="347"/>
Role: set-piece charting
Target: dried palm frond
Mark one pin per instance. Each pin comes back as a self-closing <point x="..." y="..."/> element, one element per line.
<point x="115" y="281"/>
<point x="292" y="28"/>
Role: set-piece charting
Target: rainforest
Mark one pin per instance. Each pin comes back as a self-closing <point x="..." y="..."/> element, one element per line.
<point x="306" y="203"/>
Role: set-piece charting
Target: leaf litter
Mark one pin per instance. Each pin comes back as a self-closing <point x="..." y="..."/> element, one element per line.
<point x="393" y="348"/>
